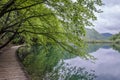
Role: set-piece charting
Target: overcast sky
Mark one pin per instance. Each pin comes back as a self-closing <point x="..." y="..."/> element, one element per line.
<point x="109" y="20"/>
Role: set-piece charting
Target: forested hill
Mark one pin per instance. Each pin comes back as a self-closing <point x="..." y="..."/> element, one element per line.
<point x="92" y="34"/>
<point x="116" y="37"/>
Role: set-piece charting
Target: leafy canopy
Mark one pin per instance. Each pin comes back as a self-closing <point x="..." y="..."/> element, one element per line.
<point x="59" y="22"/>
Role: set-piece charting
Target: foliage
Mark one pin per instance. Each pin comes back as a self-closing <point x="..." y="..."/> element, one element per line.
<point x="58" y="22"/>
<point x="116" y="47"/>
<point x="38" y="62"/>
<point x="65" y="71"/>
<point x="42" y="65"/>
<point x="116" y="38"/>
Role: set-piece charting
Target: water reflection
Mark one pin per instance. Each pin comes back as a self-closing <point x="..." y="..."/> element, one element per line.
<point x="92" y="47"/>
<point x="67" y="72"/>
<point x="106" y="65"/>
<point x="56" y="64"/>
<point x="116" y="47"/>
<point x="39" y="61"/>
<point x="50" y="65"/>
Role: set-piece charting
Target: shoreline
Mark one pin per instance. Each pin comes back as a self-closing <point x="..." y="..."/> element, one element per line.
<point x="21" y="65"/>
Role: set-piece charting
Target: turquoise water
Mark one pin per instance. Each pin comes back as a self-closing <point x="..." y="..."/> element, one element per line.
<point x="58" y="65"/>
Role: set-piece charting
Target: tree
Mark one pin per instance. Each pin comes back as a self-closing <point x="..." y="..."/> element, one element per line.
<point x="42" y="65"/>
<point x="116" y="38"/>
<point x="58" y="22"/>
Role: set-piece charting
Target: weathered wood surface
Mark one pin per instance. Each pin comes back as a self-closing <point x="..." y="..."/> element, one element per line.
<point x="10" y="68"/>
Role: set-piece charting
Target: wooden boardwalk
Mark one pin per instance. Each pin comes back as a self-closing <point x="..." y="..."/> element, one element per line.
<point x="10" y="68"/>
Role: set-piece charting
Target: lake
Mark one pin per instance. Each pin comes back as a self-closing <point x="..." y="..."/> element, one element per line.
<point x="64" y="66"/>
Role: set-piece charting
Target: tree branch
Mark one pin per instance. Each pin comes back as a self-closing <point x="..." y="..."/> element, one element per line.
<point x="6" y="6"/>
<point x="16" y="9"/>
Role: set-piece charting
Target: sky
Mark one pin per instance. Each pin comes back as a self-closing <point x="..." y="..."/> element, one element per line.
<point x="109" y="20"/>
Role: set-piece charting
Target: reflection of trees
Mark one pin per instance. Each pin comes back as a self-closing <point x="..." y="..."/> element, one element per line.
<point x="39" y="61"/>
<point x="92" y="47"/>
<point x="42" y="64"/>
<point x="116" y="47"/>
<point x="68" y="72"/>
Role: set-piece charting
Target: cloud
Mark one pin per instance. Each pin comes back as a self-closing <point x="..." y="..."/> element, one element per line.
<point x="109" y="20"/>
<point x="111" y="2"/>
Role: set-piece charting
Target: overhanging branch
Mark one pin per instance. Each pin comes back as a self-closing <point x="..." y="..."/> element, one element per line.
<point x="29" y="6"/>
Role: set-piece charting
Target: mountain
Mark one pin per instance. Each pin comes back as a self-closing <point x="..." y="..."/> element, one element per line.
<point x="92" y="34"/>
<point x="107" y="35"/>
